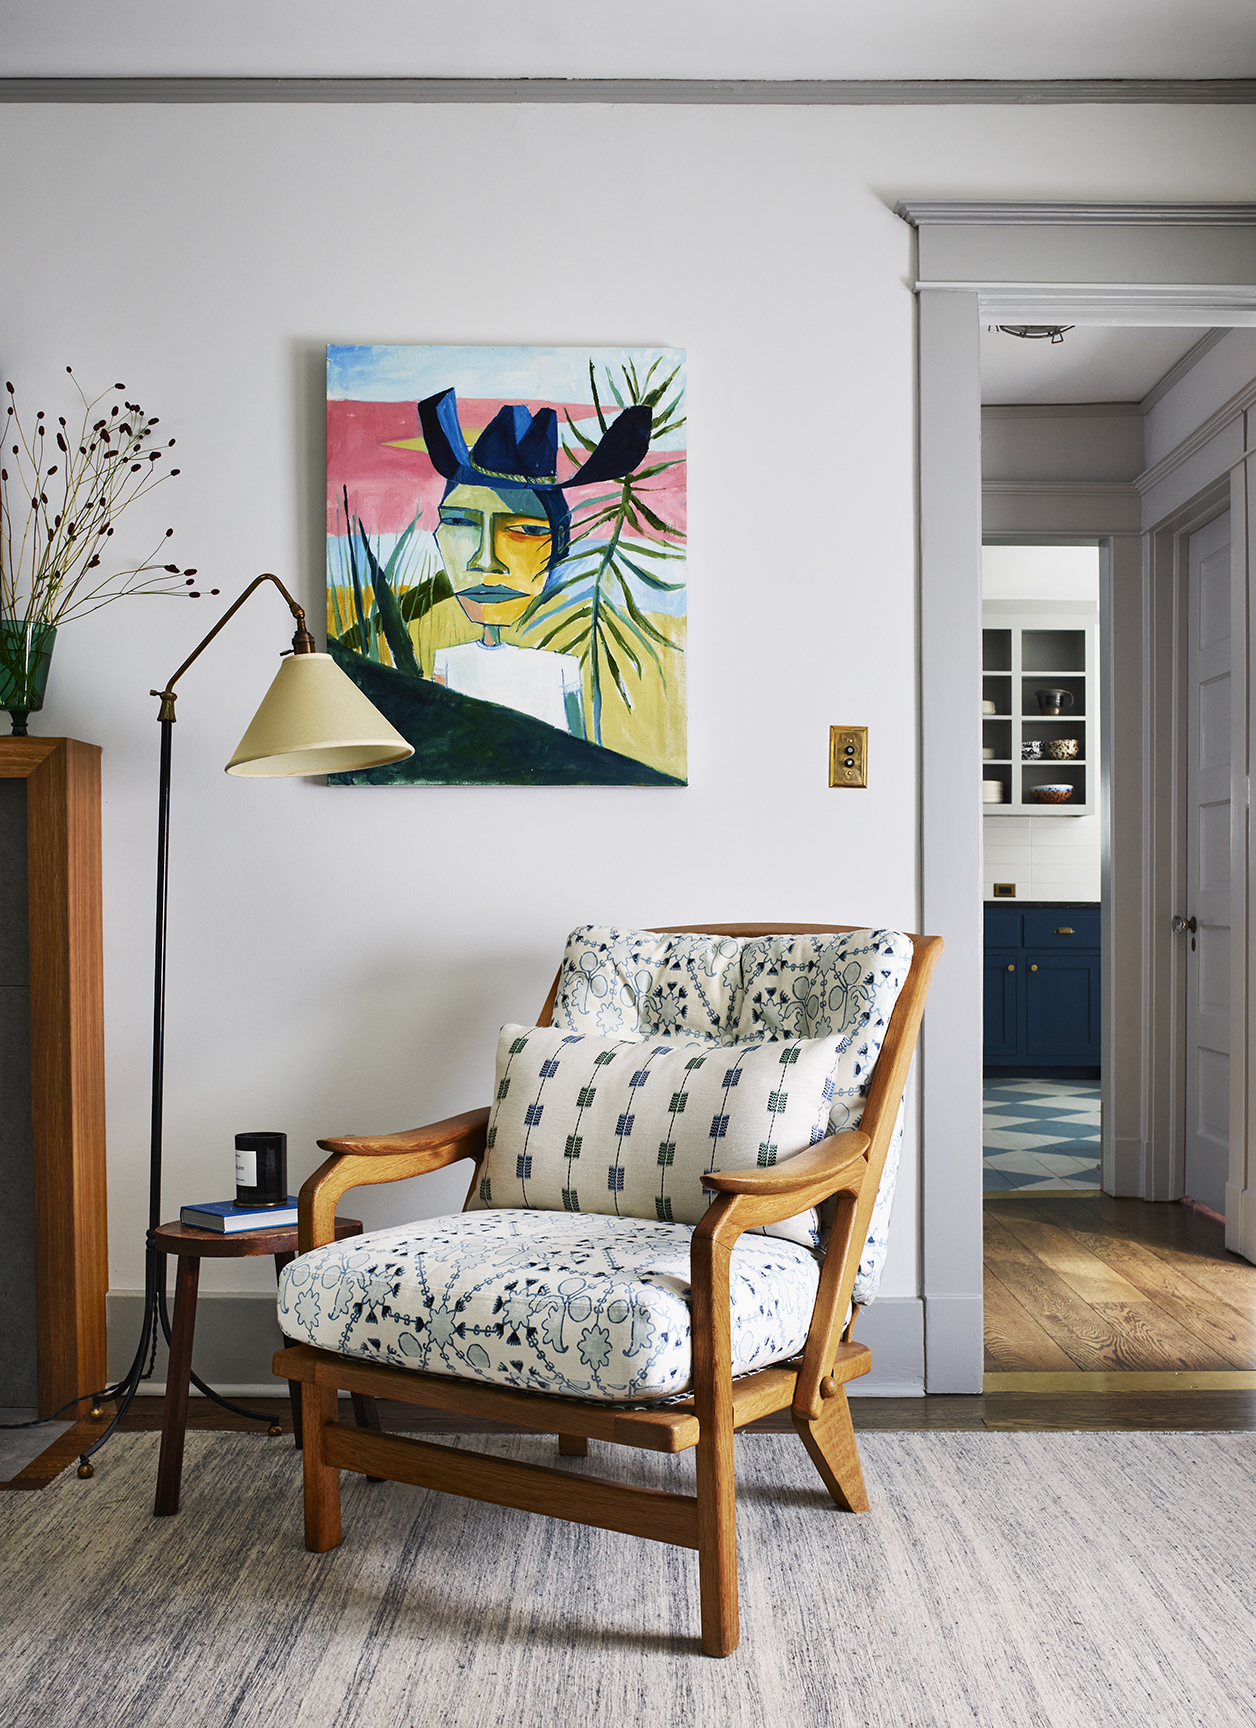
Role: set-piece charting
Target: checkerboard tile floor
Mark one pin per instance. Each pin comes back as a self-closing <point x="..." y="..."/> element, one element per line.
<point x="1040" y="1134"/>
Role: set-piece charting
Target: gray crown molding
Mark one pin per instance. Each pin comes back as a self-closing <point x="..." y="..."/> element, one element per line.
<point x="1061" y="410"/>
<point x="970" y="212"/>
<point x="1105" y="303"/>
<point x="773" y="92"/>
<point x="1175" y="374"/>
<point x="1203" y="434"/>
<point x="1063" y="488"/>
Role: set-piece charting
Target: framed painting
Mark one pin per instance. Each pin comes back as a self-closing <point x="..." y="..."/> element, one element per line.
<point x="506" y="560"/>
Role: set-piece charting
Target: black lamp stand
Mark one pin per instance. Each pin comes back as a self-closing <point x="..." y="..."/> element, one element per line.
<point x="155" y="1309"/>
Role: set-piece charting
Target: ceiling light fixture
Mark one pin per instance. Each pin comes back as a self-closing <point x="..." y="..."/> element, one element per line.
<point x="1036" y="332"/>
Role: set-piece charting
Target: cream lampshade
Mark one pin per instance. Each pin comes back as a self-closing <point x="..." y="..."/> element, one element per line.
<point x="315" y="720"/>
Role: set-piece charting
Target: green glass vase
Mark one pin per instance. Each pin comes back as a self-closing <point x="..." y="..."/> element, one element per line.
<point x="25" y="655"/>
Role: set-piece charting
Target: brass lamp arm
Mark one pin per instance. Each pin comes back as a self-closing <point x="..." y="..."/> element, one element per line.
<point x="302" y="641"/>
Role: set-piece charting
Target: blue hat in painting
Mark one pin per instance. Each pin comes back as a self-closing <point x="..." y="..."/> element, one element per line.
<point x="520" y="449"/>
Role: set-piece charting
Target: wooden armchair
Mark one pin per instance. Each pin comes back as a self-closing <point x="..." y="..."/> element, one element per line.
<point x="845" y="1168"/>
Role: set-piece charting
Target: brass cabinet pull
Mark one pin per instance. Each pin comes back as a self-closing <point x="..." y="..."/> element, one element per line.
<point x="1011" y="968"/>
<point x="1033" y="968"/>
<point x="1066" y="930"/>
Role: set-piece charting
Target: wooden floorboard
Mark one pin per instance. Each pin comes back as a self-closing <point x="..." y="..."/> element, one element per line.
<point x="1115" y="1285"/>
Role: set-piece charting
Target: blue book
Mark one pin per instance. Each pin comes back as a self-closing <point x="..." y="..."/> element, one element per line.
<point x="226" y="1216"/>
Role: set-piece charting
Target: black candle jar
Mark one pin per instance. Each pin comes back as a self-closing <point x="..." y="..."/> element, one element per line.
<point x="261" y="1163"/>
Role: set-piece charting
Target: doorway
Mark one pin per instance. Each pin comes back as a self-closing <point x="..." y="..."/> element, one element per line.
<point x="1086" y="264"/>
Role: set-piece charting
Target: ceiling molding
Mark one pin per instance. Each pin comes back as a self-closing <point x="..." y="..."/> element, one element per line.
<point x="769" y="92"/>
<point x="1203" y="435"/>
<point x="1189" y="303"/>
<point x="1161" y="388"/>
<point x="1062" y="488"/>
<point x="971" y="212"/>
<point x="1061" y="410"/>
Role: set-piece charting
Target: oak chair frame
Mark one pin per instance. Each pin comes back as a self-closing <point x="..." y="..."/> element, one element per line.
<point x="845" y="1167"/>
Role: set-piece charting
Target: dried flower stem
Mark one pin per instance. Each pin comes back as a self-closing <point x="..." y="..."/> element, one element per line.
<point x="67" y="492"/>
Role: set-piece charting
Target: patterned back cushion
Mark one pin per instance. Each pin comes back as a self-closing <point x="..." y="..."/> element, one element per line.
<point x="625" y="983"/>
<point x="584" y="1124"/>
<point x="724" y="990"/>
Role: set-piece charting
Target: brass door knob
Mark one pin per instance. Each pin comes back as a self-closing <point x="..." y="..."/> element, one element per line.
<point x="1033" y="968"/>
<point x="1011" y="968"/>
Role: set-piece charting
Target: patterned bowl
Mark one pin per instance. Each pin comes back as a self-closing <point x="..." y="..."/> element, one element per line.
<point x="1050" y="794"/>
<point x="1062" y="748"/>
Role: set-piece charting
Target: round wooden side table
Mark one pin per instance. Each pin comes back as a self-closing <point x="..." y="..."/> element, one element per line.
<point x="191" y="1247"/>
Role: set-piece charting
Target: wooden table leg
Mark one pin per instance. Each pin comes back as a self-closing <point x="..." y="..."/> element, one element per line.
<point x="175" y="1414"/>
<point x="294" y="1386"/>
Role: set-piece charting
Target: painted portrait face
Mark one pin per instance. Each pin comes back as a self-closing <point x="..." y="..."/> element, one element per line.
<point x="495" y="546"/>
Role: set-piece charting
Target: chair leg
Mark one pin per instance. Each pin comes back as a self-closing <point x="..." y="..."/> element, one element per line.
<point x="717" y="1543"/>
<point x="322" y="1480"/>
<point x="366" y="1415"/>
<point x="573" y="1446"/>
<point x="830" y="1441"/>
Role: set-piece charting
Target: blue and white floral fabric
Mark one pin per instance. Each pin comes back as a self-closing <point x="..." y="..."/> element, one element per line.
<point x="630" y="984"/>
<point x="578" y="1305"/>
<point x="625" y="983"/>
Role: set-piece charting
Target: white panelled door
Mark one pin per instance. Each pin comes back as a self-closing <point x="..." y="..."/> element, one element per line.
<point x="1208" y="867"/>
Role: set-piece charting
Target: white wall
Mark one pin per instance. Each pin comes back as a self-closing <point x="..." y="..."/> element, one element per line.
<point x="341" y="959"/>
<point x="700" y="39"/>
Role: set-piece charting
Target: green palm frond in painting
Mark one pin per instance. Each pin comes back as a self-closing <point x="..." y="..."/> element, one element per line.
<point x="617" y="540"/>
<point x="384" y="595"/>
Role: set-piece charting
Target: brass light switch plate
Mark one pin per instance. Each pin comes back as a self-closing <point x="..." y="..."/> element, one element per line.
<point x="848" y="755"/>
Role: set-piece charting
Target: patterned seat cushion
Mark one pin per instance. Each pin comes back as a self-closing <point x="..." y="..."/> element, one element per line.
<point x="731" y="990"/>
<point x="578" y="1305"/>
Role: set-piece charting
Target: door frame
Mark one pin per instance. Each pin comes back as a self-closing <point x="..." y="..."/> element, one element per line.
<point x="1100" y="264"/>
<point x="1164" y="849"/>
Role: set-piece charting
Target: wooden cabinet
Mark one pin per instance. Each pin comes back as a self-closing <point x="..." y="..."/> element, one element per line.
<point x="67" y="1095"/>
<point x="1042" y="990"/>
<point x="1028" y="646"/>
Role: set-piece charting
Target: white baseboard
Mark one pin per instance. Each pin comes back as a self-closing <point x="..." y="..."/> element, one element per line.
<point x="955" y="1346"/>
<point x="237" y="1334"/>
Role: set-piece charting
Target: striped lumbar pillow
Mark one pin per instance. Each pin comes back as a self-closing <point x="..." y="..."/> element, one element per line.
<point x="583" y="1124"/>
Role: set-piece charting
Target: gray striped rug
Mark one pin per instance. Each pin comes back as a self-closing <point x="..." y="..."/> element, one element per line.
<point x="1007" y="1579"/>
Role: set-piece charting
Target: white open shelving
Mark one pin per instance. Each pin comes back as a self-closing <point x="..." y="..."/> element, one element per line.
<point x="1031" y="645"/>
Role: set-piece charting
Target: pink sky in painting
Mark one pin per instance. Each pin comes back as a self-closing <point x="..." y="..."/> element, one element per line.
<point x="385" y="485"/>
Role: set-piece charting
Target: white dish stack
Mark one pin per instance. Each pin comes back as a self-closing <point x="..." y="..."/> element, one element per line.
<point x="993" y="791"/>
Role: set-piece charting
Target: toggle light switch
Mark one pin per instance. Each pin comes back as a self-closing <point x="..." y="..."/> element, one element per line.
<point x="848" y="755"/>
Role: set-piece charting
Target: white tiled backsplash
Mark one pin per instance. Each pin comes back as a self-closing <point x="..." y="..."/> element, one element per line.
<point x="1047" y="857"/>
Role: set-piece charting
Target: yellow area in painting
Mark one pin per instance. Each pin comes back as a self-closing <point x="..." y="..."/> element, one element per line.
<point x="654" y="731"/>
<point x="470" y="433"/>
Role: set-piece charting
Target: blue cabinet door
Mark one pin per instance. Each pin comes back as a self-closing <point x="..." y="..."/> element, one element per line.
<point x="1001" y="1002"/>
<point x="1061" y="1006"/>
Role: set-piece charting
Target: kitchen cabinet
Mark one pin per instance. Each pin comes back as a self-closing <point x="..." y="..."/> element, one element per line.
<point x="1041" y="1007"/>
<point x="1028" y="646"/>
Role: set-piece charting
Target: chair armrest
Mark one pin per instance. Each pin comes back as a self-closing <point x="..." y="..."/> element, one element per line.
<point x="777" y="1193"/>
<point x="437" y="1137"/>
<point x="359" y="1160"/>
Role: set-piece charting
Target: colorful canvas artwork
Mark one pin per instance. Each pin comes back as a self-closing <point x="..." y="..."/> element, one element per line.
<point x="506" y="560"/>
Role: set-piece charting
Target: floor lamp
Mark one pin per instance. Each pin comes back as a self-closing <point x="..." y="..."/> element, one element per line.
<point x="313" y="720"/>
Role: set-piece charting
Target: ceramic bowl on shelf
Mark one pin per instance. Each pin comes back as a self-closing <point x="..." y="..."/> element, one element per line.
<point x="988" y="707"/>
<point x="1050" y="794"/>
<point x="987" y="753"/>
<point x="993" y="792"/>
<point x="1061" y="749"/>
